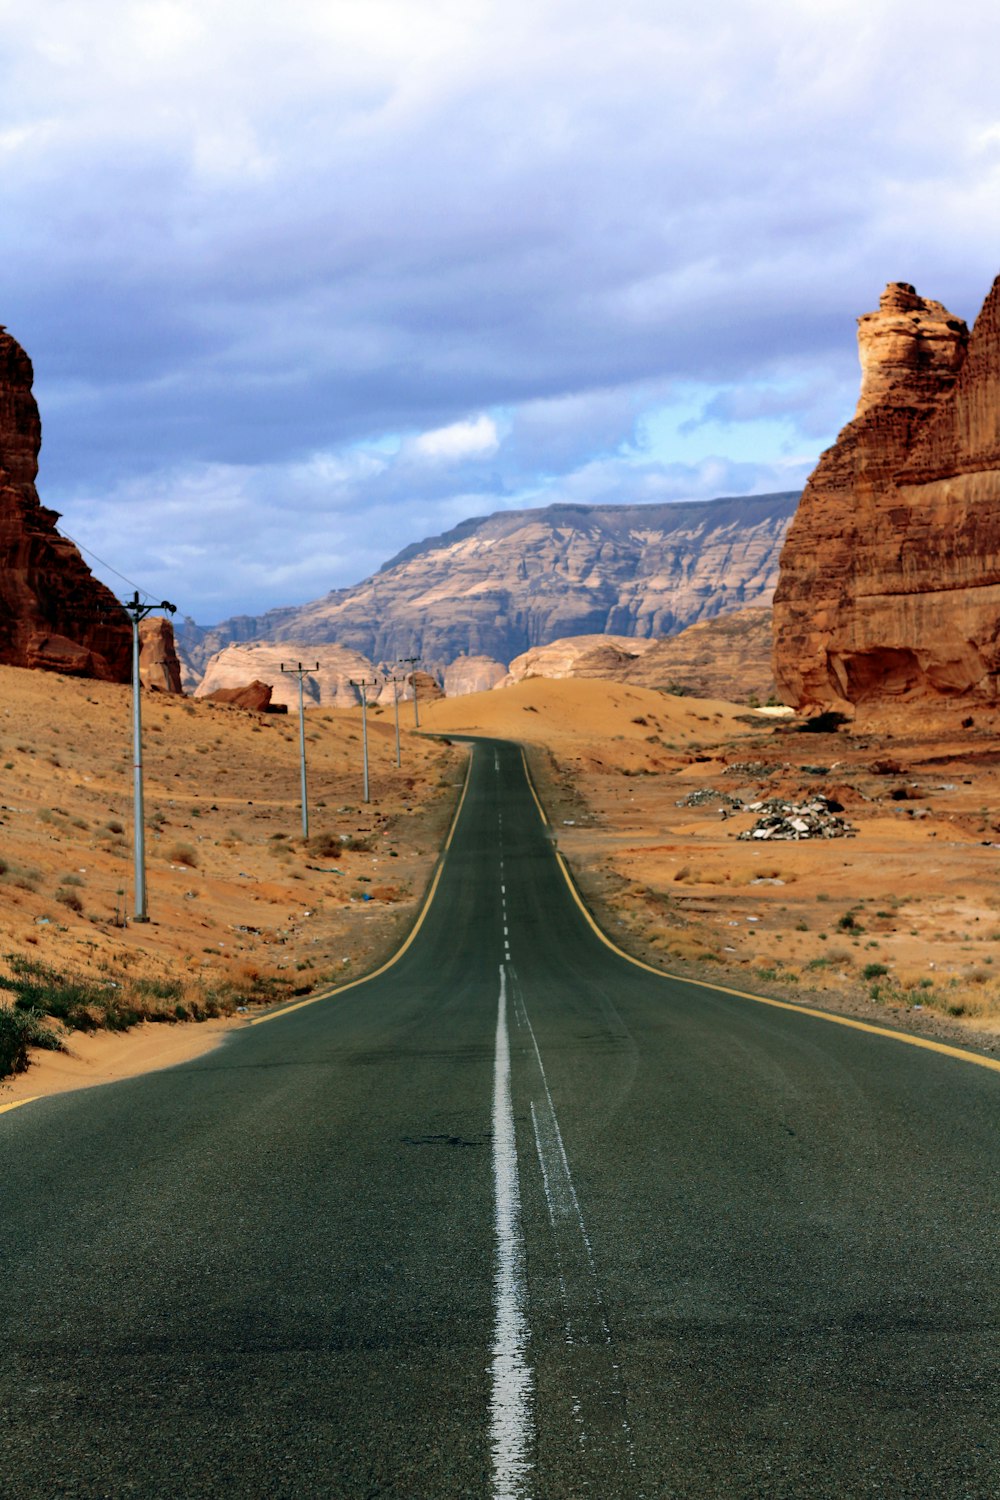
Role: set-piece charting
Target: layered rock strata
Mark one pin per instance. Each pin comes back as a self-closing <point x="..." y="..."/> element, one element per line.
<point x="329" y="684"/>
<point x="472" y="674"/>
<point x="889" y="585"/>
<point x="53" y="612"/>
<point x="728" y="657"/>
<point x="498" y="585"/>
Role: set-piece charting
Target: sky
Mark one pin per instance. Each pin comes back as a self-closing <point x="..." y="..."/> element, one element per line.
<point x="305" y="283"/>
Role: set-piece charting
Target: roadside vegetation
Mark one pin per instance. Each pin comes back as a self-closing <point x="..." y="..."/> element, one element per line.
<point x="46" y="1006"/>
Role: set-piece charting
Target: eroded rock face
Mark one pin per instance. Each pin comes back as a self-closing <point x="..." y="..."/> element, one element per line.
<point x="159" y="667"/>
<point x="498" y="585"/>
<point x="607" y="656"/>
<point x="909" y="349"/>
<point x="472" y="674"/>
<point x="728" y="657"/>
<point x="255" y="696"/>
<point x="890" y="578"/>
<point x="53" y="613"/>
<point x="261" y="662"/>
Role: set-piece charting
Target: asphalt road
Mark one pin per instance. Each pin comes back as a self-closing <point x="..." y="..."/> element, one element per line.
<point x="516" y="1218"/>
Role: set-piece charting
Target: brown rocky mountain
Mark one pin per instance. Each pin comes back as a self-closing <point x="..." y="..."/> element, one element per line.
<point x="890" y="576"/>
<point x="53" y="612"/>
<point x="496" y="586"/>
<point x="728" y="657"/>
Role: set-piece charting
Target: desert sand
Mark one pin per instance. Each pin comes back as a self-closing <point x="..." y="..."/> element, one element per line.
<point x="242" y="910"/>
<point x="900" y="922"/>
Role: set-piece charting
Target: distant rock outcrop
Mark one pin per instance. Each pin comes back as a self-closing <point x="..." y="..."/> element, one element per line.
<point x="255" y="696"/>
<point x="607" y="656"/>
<point x="890" y="577"/>
<point x="728" y="657"/>
<point x="261" y="662"/>
<point x="53" y="612"/>
<point x="498" y="585"/>
<point x="472" y="674"/>
<point x="158" y="664"/>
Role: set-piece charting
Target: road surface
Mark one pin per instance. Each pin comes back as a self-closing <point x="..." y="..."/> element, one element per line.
<point x="515" y="1218"/>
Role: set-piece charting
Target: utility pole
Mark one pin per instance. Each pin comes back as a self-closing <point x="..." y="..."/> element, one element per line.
<point x="137" y="611"/>
<point x="300" y="671"/>
<point x="411" y="661"/>
<point x="363" y="684"/>
<point x="395" y="709"/>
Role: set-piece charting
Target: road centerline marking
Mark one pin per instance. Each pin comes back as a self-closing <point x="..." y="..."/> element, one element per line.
<point x="512" y="1426"/>
<point x="598" y="1402"/>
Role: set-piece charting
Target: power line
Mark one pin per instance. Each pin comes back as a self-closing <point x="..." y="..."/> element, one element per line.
<point x="130" y="581"/>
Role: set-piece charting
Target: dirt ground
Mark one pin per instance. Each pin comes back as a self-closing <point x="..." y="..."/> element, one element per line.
<point x="900" y="922"/>
<point x="242" y="910"/>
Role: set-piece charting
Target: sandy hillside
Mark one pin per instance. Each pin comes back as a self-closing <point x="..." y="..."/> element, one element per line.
<point x="242" y="910"/>
<point x="901" y="920"/>
<point x="592" y="722"/>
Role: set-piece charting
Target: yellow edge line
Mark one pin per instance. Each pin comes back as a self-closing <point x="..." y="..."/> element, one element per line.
<point x="340" y="989"/>
<point x="5" y="1108"/>
<point x="722" y="989"/>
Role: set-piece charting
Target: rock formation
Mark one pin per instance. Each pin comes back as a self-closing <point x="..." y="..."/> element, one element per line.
<point x="607" y="656"/>
<point x="261" y="662"/>
<point x="158" y="664"/>
<point x="255" y="696"/>
<point x="728" y="657"/>
<point x="890" y="577"/>
<point x="53" y="612"/>
<point x="498" y="585"/>
<point x="472" y="674"/>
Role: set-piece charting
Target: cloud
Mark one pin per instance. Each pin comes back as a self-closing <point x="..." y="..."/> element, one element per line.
<point x="478" y="250"/>
<point x="476" y="438"/>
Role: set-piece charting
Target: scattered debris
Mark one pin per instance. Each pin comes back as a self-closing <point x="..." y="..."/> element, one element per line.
<point x="796" y="821"/>
<point x="751" y="768"/>
<point x="709" y="797"/>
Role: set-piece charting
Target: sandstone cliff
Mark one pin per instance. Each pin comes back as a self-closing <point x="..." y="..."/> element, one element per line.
<point x="728" y="657"/>
<point x="472" y="674"/>
<point x="890" y="577"/>
<point x="607" y="656"/>
<point x="498" y="585"/>
<point x="53" y="612"/>
<point x="239" y="665"/>
<point x="159" y="667"/>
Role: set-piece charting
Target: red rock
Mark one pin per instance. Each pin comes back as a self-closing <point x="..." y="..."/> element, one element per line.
<point x="427" y="688"/>
<point x="889" y="584"/>
<point x="53" y="613"/>
<point x="255" y="696"/>
<point x="159" y="667"/>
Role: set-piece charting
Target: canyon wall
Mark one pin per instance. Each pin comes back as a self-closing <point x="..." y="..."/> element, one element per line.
<point x="498" y="585"/>
<point x="53" y="612"/>
<point x="889" y="586"/>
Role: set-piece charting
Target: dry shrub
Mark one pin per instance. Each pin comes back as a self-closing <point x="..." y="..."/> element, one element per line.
<point x="182" y="854"/>
<point x="691" y="948"/>
<point x="384" y="893"/>
<point x="324" y="845"/>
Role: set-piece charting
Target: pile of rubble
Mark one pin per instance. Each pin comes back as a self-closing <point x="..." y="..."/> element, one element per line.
<point x="814" y="819"/>
<point x="753" y="769"/>
<point x="709" y="797"/>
